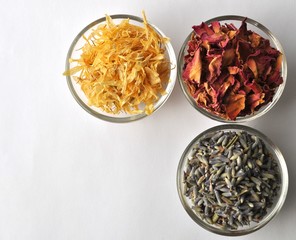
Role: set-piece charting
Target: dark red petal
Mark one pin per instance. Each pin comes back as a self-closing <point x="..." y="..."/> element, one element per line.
<point x="213" y="52"/>
<point x="203" y="29"/>
<point x="275" y="79"/>
<point x="254" y="86"/>
<point x="243" y="50"/>
<point x="228" y="57"/>
<point x="242" y="32"/>
<point x="230" y="26"/>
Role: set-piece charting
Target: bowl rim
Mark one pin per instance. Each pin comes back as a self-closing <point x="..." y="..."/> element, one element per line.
<point x="262" y="110"/>
<point x="276" y="205"/>
<point x="130" y="117"/>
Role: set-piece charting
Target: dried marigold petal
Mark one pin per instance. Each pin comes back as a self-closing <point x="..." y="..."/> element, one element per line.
<point x="122" y="66"/>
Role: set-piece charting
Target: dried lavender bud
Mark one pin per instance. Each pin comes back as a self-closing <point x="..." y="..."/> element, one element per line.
<point x="232" y="180"/>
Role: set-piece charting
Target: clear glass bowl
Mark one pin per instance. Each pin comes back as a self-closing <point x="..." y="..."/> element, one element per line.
<point x="265" y="33"/>
<point x="278" y="201"/>
<point x="75" y="51"/>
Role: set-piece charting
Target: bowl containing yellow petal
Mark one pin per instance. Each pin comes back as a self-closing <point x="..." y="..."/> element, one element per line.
<point x="120" y="68"/>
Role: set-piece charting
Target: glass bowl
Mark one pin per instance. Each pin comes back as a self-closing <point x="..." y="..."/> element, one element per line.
<point x="78" y="94"/>
<point x="257" y="28"/>
<point x="209" y="185"/>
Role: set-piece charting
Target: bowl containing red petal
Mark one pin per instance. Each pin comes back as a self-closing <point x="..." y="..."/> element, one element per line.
<point x="232" y="69"/>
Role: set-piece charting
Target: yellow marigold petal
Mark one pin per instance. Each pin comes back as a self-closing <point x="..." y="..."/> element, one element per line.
<point x="122" y="66"/>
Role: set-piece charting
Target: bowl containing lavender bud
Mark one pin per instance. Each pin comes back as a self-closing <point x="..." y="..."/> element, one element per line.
<point x="232" y="180"/>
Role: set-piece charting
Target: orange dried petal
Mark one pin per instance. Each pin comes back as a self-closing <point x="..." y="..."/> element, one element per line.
<point x="233" y="70"/>
<point x="215" y="68"/>
<point x="122" y="66"/>
<point x="196" y="67"/>
<point x="235" y="103"/>
<point x="255" y="39"/>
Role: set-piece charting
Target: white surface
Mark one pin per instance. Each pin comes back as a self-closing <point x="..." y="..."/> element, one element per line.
<point x="67" y="175"/>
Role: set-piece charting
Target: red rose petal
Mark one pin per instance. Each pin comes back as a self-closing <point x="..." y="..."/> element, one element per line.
<point x="231" y="72"/>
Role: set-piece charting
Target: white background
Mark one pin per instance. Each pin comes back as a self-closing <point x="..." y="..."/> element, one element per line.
<point x="67" y="175"/>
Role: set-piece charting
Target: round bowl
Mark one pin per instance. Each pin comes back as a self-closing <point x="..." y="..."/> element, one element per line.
<point x="257" y="28"/>
<point x="78" y="94"/>
<point x="196" y="200"/>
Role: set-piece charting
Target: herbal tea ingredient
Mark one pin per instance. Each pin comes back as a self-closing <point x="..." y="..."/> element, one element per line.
<point x="231" y="179"/>
<point x="231" y="72"/>
<point x="122" y="67"/>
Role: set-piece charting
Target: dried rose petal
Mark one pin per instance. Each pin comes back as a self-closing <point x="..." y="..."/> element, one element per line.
<point x="193" y="69"/>
<point x="253" y="66"/>
<point x="243" y="50"/>
<point x="215" y="68"/>
<point x="203" y="29"/>
<point x="253" y="100"/>
<point x="234" y="104"/>
<point x="231" y="72"/>
<point x="228" y="56"/>
<point x="255" y="39"/>
<point x="224" y="87"/>
<point x="254" y="86"/>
